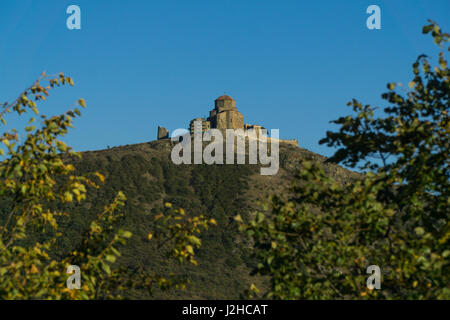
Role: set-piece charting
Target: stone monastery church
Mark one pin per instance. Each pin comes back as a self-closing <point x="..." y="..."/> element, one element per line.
<point x="225" y="115"/>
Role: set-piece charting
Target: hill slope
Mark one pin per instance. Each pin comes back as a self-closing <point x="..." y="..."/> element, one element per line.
<point x="145" y="173"/>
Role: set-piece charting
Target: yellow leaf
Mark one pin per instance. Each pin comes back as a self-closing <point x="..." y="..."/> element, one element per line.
<point x="190" y="249"/>
<point x="34" y="269"/>
<point x="411" y="84"/>
<point x="150" y="236"/>
<point x="68" y="197"/>
<point x="253" y="288"/>
<point x="100" y="177"/>
<point x="82" y="103"/>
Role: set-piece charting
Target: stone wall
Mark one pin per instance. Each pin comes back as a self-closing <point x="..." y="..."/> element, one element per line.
<point x="230" y="119"/>
<point x="163" y="133"/>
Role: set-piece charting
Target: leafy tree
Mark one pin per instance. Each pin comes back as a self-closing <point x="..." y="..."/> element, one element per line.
<point x="35" y="177"/>
<point x="318" y="242"/>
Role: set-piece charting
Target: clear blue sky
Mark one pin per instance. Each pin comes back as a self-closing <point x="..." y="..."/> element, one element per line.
<point x="291" y="65"/>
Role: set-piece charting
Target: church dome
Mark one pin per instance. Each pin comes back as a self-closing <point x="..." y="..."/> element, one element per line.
<point x="224" y="97"/>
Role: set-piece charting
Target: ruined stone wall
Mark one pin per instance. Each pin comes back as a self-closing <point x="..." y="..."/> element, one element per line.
<point x="163" y="133"/>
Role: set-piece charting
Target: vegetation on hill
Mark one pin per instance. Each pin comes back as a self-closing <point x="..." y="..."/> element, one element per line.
<point x="149" y="179"/>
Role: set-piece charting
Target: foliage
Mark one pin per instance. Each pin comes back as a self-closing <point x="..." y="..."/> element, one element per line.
<point x="318" y="243"/>
<point x="36" y="181"/>
<point x="148" y="177"/>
